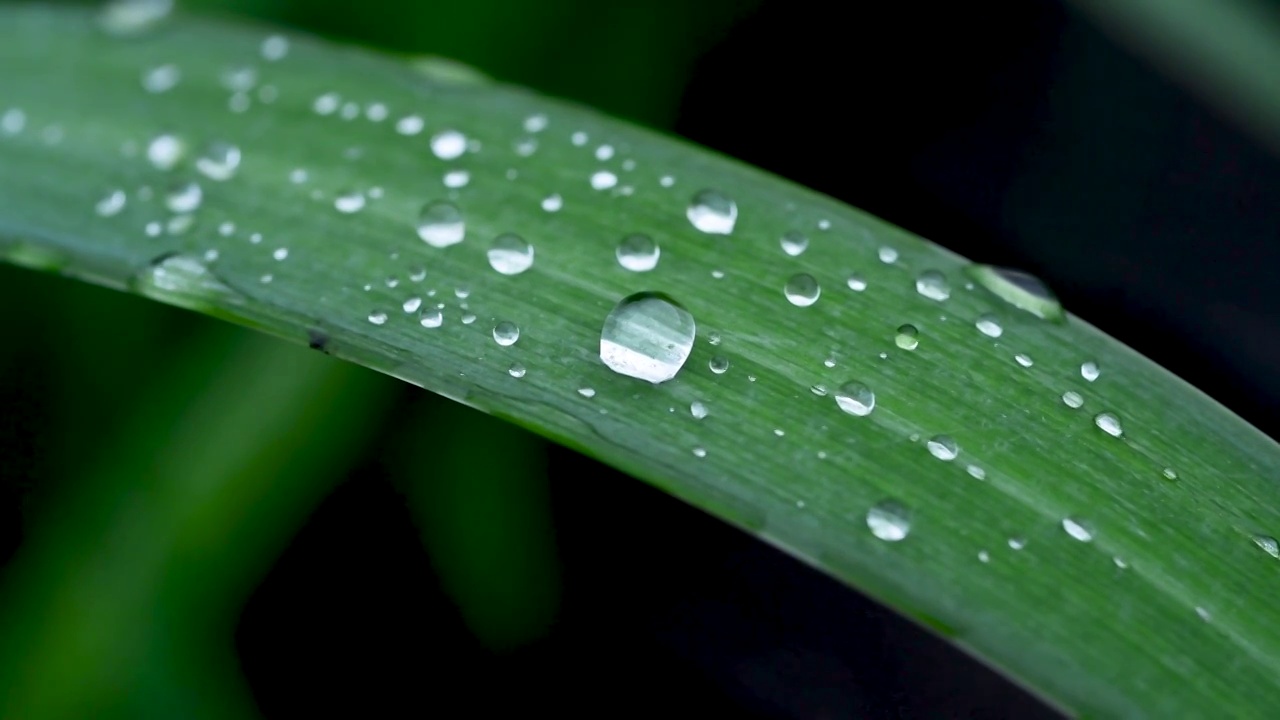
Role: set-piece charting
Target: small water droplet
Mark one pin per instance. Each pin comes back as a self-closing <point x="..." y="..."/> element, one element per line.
<point x="274" y="48"/>
<point x="984" y="556"/>
<point x="907" y="337"/>
<point x="1023" y="360"/>
<point x="13" y="121"/>
<point x="1017" y="543"/>
<point x="456" y="178"/>
<point x="1120" y="562"/>
<point x="412" y="304"/>
<point x="943" y="447"/>
<point x="510" y="254"/>
<point x="128" y="18"/>
<point x="506" y="333"/>
<point x="432" y="318"/>
<point x="819" y="389"/>
<point x="1089" y="371"/>
<point x="666" y="181"/>
<point x="647" y="336"/>
<point x="111" y="204"/>
<point x="889" y="520"/>
<point x="184" y="197"/>
<point x="802" y="290"/>
<point x="888" y="255"/>
<point x="933" y="285"/>
<point x="638" y="253"/>
<point x="378" y="318"/>
<point x="698" y="410"/>
<point x="410" y="125"/>
<point x="552" y="203"/>
<point x="516" y="370"/>
<point x="712" y="212"/>
<point x="280" y="254"/>
<point x="468" y="318"/>
<point x="976" y="472"/>
<point x="162" y="78"/>
<point x="440" y="224"/>
<point x="164" y="151"/>
<point x="988" y="324"/>
<point x="855" y="398"/>
<point x="604" y="152"/>
<point x="1268" y="545"/>
<point x="1077" y="529"/>
<point x="349" y="202"/>
<point x="587" y="392"/>
<point x="1020" y="289"/>
<point x="794" y="243"/>
<point x="1072" y="399"/>
<point x="603" y="180"/>
<point x="326" y="104"/>
<point x="535" y="123"/>
<point x="1109" y="424"/>
<point x="219" y="161"/>
<point x="448" y="144"/>
<point x="719" y="364"/>
<point x="857" y="283"/>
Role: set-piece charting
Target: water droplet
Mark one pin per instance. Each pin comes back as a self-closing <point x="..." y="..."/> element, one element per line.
<point x="182" y="280"/>
<point x="326" y="104"/>
<point x="933" y="285"/>
<point x="274" y="48"/>
<point x="700" y="451"/>
<point x="552" y="203"/>
<point x="456" y="178"/>
<point x="535" y="123"/>
<point x="587" y="392"/>
<point x="440" y="224"/>
<point x="409" y="125"/>
<point x="161" y="78"/>
<point x="719" y="364"/>
<point x="984" y="556"/>
<point x="184" y="197"/>
<point x="378" y="318"/>
<point x="802" y="290"/>
<point x="1072" y="399"/>
<point x="1120" y="562"/>
<point x="666" y="181"/>
<point x="432" y="318"/>
<point x="1017" y="543"/>
<point x="976" y="472"/>
<point x="448" y="144"/>
<point x="638" y="253"/>
<point x="1020" y="289"/>
<point x="468" y="318"/>
<point x="907" y="337"/>
<point x="126" y="18"/>
<point x="1089" y="371"/>
<point x="412" y="304"/>
<point x="988" y="324"/>
<point x="510" y="254"/>
<point x="854" y="398"/>
<point x="280" y="254"/>
<point x="698" y="410"/>
<point x="603" y="180"/>
<point x="349" y="202"/>
<point x="240" y="79"/>
<point x="1077" y="529"/>
<point x="888" y="255"/>
<point x="857" y="283"/>
<point x="1204" y="614"/>
<point x="1023" y="360"/>
<point x="1169" y="474"/>
<point x="111" y="204"/>
<point x="516" y="370"/>
<point x="712" y="212"/>
<point x="506" y="333"/>
<point x="376" y="112"/>
<point x="12" y="121"/>
<point x="794" y="243"/>
<point x="943" y="447"/>
<point x="164" y="151"/>
<point x="219" y="161"/>
<point x="1109" y="424"/>
<point x="604" y="152"/>
<point x="1268" y="545"/>
<point x="889" y="520"/>
<point x="647" y="336"/>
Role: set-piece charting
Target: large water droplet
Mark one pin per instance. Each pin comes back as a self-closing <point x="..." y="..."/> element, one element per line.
<point x="440" y="224"/>
<point x="889" y="520"/>
<point x="647" y="336"/>
<point x="506" y="333"/>
<point x="432" y="318"/>
<point x="1077" y="529"/>
<point x="510" y="254"/>
<point x="126" y="18"/>
<point x="185" y="281"/>
<point x="1268" y="545"/>
<point x="219" y="161"/>
<point x="698" y="410"/>
<point x="638" y="253"/>
<point x="1089" y="371"/>
<point x="802" y="290"/>
<point x="943" y="447"/>
<point x="855" y="398"/>
<point x="164" y="151"/>
<point x="448" y="144"/>
<point x="794" y="243"/>
<point x="907" y="337"/>
<point x="887" y="255"/>
<point x="989" y="325"/>
<point x="1109" y="424"/>
<point x="933" y="285"/>
<point x="1023" y="291"/>
<point x="184" y="197"/>
<point x="712" y="212"/>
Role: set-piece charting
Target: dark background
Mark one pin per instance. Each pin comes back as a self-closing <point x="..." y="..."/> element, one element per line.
<point x="1012" y="132"/>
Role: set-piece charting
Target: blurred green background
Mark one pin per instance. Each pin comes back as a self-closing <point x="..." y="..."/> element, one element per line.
<point x="198" y="521"/>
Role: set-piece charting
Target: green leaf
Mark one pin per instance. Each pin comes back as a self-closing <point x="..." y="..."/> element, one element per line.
<point x="1164" y="606"/>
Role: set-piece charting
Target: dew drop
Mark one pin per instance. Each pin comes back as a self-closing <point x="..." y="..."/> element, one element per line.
<point x="111" y="204"/>
<point x="587" y="392"/>
<point x="719" y="364"/>
<point x="506" y="333"/>
<point x="984" y="556"/>
<point x="712" y="212"/>
<point x="888" y="255"/>
<point x="219" y="161"/>
<point x="907" y="337"/>
<point x="603" y="180"/>
<point x="1020" y="289"/>
<point x="412" y="304"/>
<point x="854" y="398"/>
<point x="448" y="144"/>
<point x="161" y="78"/>
<point x="1109" y="424"/>
<point x="13" y="121"/>
<point x="699" y="452"/>
<point x="552" y="203"/>
<point x="988" y="324"/>
<point x="697" y="410"/>
<point x="468" y="318"/>
<point x="164" y="151"/>
<point x="182" y="280"/>
<point x="409" y="125"/>
<point x="274" y="48"/>
<point x="1017" y="543"/>
<point x="889" y="520"/>
<point x="326" y="104"/>
<point x="1023" y="360"/>
<point x="349" y="202"/>
<point x="933" y="285"/>
<point x="943" y="447"/>
<point x="456" y="178"/>
<point x="647" y="336"/>
<point x="976" y="472"/>
<point x="535" y="123"/>
<point x="440" y="224"/>
<point x="1268" y="545"/>
<point x="1072" y="399"/>
<point x="510" y="254"/>
<point x="802" y="290"/>
<point x="127" y="18"/>
<point x="638" y="253"/>
<point x="857" y="283"/>
<point x="1089" y="371"/>
<point x="184" y="197"/>
<point x="1077" y="529"/>
<point x="432" y="318"/>
<point x="378" y="318"/>
<point x="516" y="370"/>
<point x="280" y="254"/>
<point x="794" y="243"/>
